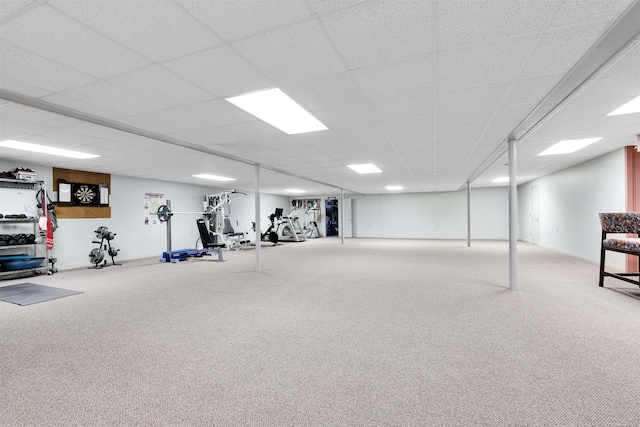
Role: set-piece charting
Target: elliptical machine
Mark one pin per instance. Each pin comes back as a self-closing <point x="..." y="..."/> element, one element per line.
<point x="96" y="256"/>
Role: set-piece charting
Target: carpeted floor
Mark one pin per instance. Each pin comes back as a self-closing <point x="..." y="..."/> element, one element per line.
<point x="370" y="333"/>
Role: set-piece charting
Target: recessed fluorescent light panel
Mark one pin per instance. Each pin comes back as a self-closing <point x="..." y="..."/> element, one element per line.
<point x="276" y="108"/>
<point x="295" y="191"/>
<point x="632" y="106"/>
<point x="501" y="179"/>
<point x="394" y="187"/>
<point x="213" y="177"/>
<point x="568" y="146"/>
<point x="43" y="149"/>
<point x="365" y="168"/>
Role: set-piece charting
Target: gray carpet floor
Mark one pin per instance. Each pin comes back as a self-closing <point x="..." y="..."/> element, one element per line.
<point x="369" y="333"/>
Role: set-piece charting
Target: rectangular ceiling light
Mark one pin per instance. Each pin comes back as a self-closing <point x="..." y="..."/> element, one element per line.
<point x="213" y="177"/>
<point x="632" y="106"/>
<point x="276" y="108"/>
<point x="501" y="179"/>
<point x="568" y="146"/>
<point x="43" y="149"/>
<point x="295" y="191"/>
<point x="394" y="187"/>
<point x="365" y="168"/>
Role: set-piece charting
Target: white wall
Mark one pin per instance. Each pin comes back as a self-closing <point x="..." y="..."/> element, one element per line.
<point x="570" y="201"/>
<point x="73" y="238"/>
<point x="432" y="215"/>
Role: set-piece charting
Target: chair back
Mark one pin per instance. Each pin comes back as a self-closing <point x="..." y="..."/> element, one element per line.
<point x="204" y="233"/>
<point x="620" y="222"/>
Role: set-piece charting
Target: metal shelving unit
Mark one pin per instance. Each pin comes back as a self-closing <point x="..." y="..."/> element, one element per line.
<point x="38" y="249"/>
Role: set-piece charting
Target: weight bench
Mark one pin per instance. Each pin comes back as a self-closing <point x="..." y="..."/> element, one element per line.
<point x="620" y="223"/>
<point x="207" y="241"/>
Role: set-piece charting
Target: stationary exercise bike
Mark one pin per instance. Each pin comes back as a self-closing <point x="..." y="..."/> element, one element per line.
<point x="270" y="235"/>
<point x="96" y="256"/>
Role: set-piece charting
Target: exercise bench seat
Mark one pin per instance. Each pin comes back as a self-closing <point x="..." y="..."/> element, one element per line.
<point x="620" y="223"/>
<point x="207" y="241"/>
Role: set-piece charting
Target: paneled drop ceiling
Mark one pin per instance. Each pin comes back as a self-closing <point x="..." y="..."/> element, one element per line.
<point x="425" y="89"/>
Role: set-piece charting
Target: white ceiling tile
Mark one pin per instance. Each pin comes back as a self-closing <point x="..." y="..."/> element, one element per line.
<point x="164" y="122"/>
<point x="420" y="125"/>
<point x="216" y="112"/>
<point x="91" y="129"/>
<point x="424" y="140"/>
<point x="403" y="108"/>
<point x="294" y="53"/>
<point x="21" y="65"/>
<point x="368" y="33"/>
<point x="627" y="63"/>
<point x="490" y="62"/>
<point x="363" y="132"/>
<point x="471" y="98"/>
<point x="464" y="23"/>
<point x="62" y="39"/>
<point x="622" y="87"/>
<point x="11" y="6"/>
<point x="575" y="12"/>
<point x="81" y="106"/>
<point x="222" y="71"/>
<point x="155" y="83"/>
<point x="558" y="50"/>
<point x="17" y="86"/>
<point x="148" y="89"/>
<point x="206" y="137"/>
<point x="36" y="116"/>
<point x="512" y="114"/>
<point x="347" y="117"/>
<point x="326" y="5"/>
<point x="398" y="80"/>
<point x="326" y="93"/>
<point x="466" y="119"/>
<point x="157" y="29"/>
<point x="531" y="89"/>
<point x="234" y="19"/>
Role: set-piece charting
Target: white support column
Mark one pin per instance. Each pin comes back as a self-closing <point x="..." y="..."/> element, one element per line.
<point x="257" y="213"/>
<point x="513" y="214"/>
<point x="468" y="214"/>
<point x="341" y="212"/>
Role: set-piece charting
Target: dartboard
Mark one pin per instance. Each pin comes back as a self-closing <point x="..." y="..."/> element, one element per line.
<point x="85" y="195"/>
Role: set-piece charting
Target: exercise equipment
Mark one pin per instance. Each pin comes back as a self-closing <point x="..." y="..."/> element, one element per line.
<point x="219" y="222"/>
<point x="208" y="245"/>
<point x="96" y="256"/>
<point x="291" y="229"/>
<point x="271" y="234"/>
<point x="165" y="213"/>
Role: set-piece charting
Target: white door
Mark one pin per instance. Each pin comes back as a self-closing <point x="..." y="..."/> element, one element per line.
<point x="533" y="214"/>
<point x="346" y="211"/>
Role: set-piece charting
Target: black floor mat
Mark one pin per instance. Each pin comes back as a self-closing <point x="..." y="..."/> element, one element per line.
<point x="30" y="293"/>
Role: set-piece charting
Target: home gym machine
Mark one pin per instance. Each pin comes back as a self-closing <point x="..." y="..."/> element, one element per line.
<point x="164" y="214"/>
<point x="96" y="256"/>
<point x="220" y="224"/>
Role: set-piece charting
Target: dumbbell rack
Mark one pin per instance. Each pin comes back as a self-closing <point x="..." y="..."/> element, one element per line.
<point x="15" y="225"/>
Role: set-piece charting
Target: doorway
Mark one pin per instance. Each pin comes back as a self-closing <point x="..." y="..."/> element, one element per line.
<point x="332" y="217"/>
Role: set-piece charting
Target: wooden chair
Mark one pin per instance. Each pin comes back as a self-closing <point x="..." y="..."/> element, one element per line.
<point x="620" y="223"/>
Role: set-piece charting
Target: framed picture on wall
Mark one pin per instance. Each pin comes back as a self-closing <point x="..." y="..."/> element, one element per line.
<point x="64" y="192"/>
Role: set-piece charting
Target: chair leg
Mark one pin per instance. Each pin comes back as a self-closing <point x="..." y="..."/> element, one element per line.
<point x="602" y="251"/>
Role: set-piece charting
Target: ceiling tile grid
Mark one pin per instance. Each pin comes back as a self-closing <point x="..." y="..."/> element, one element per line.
<point x="62" y="39"/>
<point x="427" y="89"/>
